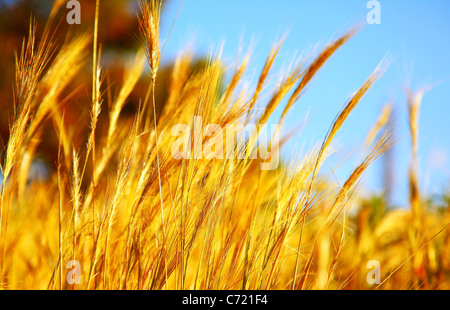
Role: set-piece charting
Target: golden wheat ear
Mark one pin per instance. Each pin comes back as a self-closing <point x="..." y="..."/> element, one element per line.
<point x="305" y="76"/>
<point x="382" y="120"/>
<point x="315" y="66"/>
<point x="149" y="27"/>
<point x="417" y="206"/>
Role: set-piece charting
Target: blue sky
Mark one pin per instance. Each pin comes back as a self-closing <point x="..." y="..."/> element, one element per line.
<point x="415" y="35"/>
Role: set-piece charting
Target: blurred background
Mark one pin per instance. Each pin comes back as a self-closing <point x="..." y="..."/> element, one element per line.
<point x="413" y="34"/>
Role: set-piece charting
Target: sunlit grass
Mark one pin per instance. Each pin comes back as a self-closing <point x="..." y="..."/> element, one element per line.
<point x="141" y="219"/>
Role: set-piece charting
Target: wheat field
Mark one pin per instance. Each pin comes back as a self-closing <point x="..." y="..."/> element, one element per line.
<point x="135" y="217"/>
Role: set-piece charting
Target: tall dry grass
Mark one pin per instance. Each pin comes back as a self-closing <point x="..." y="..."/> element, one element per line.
<point x="140" y="219"/>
